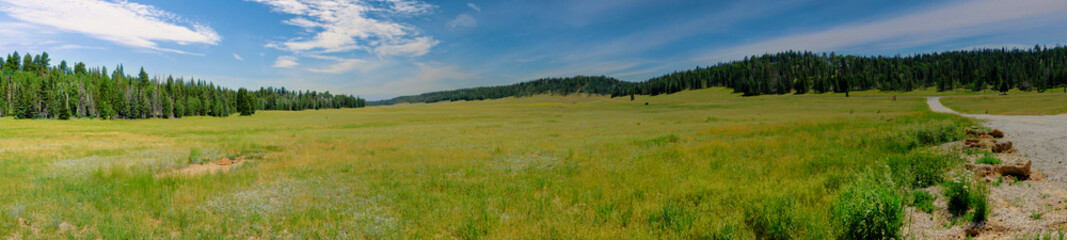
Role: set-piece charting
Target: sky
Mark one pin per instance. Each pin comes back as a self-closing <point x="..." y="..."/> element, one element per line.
<point x="379" y="49"/>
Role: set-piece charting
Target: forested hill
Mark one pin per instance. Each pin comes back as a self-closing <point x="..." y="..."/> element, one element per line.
<point x="806" y="72"/>
<point x="31" y="87"/>
<point x="803" y="72"/>
<point x="599" y="85"/>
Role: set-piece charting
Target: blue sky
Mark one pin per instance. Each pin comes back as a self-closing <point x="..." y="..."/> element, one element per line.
<point x="384" y="48"/>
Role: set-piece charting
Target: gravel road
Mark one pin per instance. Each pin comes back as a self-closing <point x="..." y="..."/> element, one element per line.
<point x="1043" y="139"/>
<point x="1019" y="209"/>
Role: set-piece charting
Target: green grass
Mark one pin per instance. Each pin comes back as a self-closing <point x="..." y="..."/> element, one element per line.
<point x="988" y="158"/>
<point x="697" y="164"/>
<point x="923" y="201"/>
<point x="1025" y="104"/>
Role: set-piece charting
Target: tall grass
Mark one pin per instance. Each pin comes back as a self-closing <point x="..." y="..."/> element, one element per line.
<point x="538" y="167"/>
<point x="870" y="208"/>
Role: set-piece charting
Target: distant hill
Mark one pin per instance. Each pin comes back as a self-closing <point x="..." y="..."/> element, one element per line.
<point x="807" y="72"/>
<point x="598" y="85"/>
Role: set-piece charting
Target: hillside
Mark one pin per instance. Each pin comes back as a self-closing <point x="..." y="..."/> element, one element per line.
<point x="1034" y="69"/>
<point x="600" y="85"/>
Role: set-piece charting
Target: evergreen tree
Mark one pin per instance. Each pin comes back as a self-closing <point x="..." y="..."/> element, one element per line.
<point x="13" y="62"/>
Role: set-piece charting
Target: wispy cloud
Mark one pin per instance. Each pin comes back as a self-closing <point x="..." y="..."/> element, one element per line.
<point x="348" y="25"/>
<point x="476" y="8"/>
<point x="462" y="21"/>
<point x="346" y="65"/>
<point x="426" y="77"/>
<point x="948" y="22"/>
<point x="238" y="57"/>
<point x="121" y="22"/>
<point x="285" y="62"/>
<point x="1008" y="46"/>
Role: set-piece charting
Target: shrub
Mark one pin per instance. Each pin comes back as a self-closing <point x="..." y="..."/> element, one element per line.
<point x="774" y="219"/>
<point x="959" y="196"/>
<point x="869" y="208"/>
<point x="921" y="168"/>
<point x="937" y="132"/>
<point x="923" y="201"/>
<point x="925" y="133"/>
<point x="980" y="200"/>
<point x="196" y="155"/>
<point x="964" y="194"/>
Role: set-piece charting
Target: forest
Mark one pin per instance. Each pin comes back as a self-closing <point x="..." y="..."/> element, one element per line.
<point x="598" y="85"/>
<point x="31" y="87"/>
<point x="1036" y="69"/>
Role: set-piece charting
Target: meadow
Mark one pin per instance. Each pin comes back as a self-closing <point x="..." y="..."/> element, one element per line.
<point x="1012" y="104"/>
<point x="695" y="164"/>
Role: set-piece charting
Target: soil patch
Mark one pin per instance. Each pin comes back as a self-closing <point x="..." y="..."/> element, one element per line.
<point x="218" y="166"/>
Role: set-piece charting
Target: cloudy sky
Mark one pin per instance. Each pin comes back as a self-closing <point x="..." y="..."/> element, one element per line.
<point x="384" y="48"/>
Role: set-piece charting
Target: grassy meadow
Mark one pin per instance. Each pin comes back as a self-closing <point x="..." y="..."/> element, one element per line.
<point x="696" y="164"/>
<point x="1029" y="104"/>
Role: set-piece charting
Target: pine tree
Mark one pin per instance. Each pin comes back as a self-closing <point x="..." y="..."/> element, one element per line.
<point x="64" y="111"/>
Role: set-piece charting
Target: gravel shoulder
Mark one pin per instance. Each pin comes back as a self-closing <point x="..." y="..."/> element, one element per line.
<point x="1041" y="139"/>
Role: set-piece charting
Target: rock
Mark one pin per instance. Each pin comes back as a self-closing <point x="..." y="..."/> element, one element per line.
<point x="975" y="228"/>
<point x="1001" y="146"/>
<point x="1019" y="169"/>
<point x="982" y="170"/>
<point x="996" y="133"/>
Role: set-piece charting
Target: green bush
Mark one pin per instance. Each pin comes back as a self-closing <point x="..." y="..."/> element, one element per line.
<point x="774" y="219"/>
<point x="937" y="132"/>
<point x="196" y="155"/>
<point x="923" y="201"/>
<point x="959" y="197"/>
<point x="921" y="168"/>
<point x="980" y="201"/>
<point x="964" y="194"/>
<point x="869" y="208"/>
<point x="924" y="133"/>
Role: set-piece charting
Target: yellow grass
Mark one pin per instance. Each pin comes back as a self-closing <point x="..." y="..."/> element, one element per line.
<point x="1027" y="104"/>
<point x="684" y="166"/>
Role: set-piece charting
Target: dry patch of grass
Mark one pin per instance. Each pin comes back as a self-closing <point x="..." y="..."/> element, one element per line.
<point x="1028" y="104"/>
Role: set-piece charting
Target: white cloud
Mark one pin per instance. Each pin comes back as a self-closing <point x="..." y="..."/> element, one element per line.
<point x="121" y="22"/>
<point x="462" y="21"/>
<point x="238" y="57"/>
<point x="414" y="47"/>
<point x="346" y="65"/>
<point x="1008" y="46"/>
<point x="347" y="25"/>
<point x="475" y="7"/>
<point x="285" y="62"/>
<point x="949" y="22"/>
<point x="427" y="77"/>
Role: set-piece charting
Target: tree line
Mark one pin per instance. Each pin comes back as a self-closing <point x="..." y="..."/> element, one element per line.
<point x="1036" y="69"/>
<point x="803" y="72"/>
<point x="598" y="85"/>
<point x="31" y="87"/>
